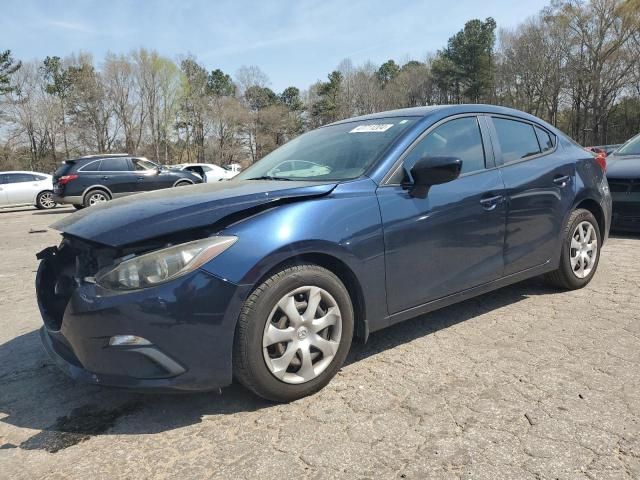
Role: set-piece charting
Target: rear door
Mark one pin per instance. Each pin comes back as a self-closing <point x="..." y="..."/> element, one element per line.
<point x="116" y="173"/>
<point x="539" y="179"/>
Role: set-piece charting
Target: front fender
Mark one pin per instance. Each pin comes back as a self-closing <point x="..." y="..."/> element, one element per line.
<point x="345" y="225"/>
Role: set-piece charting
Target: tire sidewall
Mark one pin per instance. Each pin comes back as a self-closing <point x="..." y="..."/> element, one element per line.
<point x="86" y="203"/>
<point x="39" y="200"/>
<point x="579" y="217"/>
<point x="267" y="384"/>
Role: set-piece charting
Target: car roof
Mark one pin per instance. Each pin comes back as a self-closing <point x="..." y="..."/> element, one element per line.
<point x="444" y="109"/>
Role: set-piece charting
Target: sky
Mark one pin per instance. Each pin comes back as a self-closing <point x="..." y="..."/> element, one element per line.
<point x="293" y="42"/>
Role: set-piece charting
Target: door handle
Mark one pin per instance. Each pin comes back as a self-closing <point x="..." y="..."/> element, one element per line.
<point x="140" y="178"/>
<point x="105" y="177"/>
<point x="562" y="180"/>
<point x="490" y="203"/>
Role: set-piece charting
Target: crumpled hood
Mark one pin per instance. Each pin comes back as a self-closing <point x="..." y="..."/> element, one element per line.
<point x="148" y="215"/>
<point x="623" y="166"/>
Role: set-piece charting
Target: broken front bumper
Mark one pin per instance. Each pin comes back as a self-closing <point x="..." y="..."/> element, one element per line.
<point x="187" y="324"/>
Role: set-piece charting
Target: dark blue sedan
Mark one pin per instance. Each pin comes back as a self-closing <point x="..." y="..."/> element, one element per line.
<point x="343" y="231"/>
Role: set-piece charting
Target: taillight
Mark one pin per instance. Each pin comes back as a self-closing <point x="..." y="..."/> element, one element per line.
<point x="601" y="158"/>
<point x="66" y="179"/>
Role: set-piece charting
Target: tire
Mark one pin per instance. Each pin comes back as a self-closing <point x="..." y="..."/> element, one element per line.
<point x="254" y="364"/>
<point x="183" y="183"/>
<point x="95" y="196"/>
<point x="44" y="200"/>
<point x="572" y="272"/>
<point x="78" y="207"/>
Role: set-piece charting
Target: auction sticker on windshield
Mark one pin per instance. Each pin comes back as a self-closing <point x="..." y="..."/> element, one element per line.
<point x="381" y="127"/>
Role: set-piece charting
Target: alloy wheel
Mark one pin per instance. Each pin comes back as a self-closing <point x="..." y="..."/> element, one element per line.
<point x="96" y="198"/>
<point x="583" y="249"/>
<point x="302" y="335"/>
<point x="46" y="200"/>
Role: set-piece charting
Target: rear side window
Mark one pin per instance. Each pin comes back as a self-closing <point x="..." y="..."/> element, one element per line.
<point x="92" y="166"/>
<point x="458" y="138"/>
<point x="545" y="139"/>
<point x="517" y="139"/>
<point x="114" y="165"/>
<point x="39" y="177"/>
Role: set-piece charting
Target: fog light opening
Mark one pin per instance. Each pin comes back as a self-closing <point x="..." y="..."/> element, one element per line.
<point x="120" y="340"/>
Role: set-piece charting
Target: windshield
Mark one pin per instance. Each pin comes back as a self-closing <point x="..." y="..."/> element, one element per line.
<point x="335" y="152"/>
<point x="632" y="147"/>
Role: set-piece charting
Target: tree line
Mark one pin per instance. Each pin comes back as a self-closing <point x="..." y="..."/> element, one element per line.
<point x="576" y="64"/>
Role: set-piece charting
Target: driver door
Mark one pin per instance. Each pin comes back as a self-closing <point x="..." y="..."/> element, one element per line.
<point x="452" y="239"/>
<point x="150" y="176"/>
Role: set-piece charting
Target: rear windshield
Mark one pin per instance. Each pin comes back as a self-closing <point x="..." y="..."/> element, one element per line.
<point x="63" y="169"/>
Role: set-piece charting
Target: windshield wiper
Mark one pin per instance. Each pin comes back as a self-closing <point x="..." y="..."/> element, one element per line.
<point x="270" y="177"/>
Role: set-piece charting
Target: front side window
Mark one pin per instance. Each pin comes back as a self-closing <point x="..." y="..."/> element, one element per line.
<point x="632" y="147"/>
<point x="18" y="178"/>
<point x="118" y="164"/>
<point x="335" y="152"/>
<point x="459" y="138"/>
<point x="144" y="165"/>
<point x="517" y="139"/>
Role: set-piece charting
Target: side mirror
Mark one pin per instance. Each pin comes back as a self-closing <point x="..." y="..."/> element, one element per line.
<point x="430" y="171"/>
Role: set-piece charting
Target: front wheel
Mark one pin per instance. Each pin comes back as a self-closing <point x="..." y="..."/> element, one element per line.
<point x="580" y="252"/>
<point x="183" y="184"/>
<point x="293" y="333"/>
<point x="45" y="201"/>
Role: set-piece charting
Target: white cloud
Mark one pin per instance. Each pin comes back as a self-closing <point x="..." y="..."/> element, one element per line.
<point x="73" y="26"/>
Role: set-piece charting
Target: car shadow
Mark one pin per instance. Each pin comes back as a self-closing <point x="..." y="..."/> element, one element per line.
<point x="34" y="394"/>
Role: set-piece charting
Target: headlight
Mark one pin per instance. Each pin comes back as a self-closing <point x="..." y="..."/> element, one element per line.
<point x="163" y="265"/>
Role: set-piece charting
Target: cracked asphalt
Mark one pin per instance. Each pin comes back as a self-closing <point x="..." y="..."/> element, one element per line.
<point x="524" y="382"/>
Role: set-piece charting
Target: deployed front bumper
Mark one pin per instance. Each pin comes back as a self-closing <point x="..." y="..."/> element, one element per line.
<point x="188" y="323"/>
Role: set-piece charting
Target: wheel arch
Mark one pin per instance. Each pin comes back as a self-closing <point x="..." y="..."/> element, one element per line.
<point x="96" y="187"/>
<point x="341" y="270"/>
<point x="596" y="210"/>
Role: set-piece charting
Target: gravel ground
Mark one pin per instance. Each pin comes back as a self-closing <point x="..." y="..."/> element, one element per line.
<point x="525" y="382"/>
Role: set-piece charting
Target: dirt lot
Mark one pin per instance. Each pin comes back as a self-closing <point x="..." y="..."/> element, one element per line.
<point x="526" y="382"/>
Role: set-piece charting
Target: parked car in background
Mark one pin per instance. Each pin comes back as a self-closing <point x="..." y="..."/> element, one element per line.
<point x="86" y="181"/>
<point x="26" y="188"/>
<point x="267" y="279"/>
<point x="623" y="173"/>
<point x="207" y="171"/>
<point x="606" y="149"/>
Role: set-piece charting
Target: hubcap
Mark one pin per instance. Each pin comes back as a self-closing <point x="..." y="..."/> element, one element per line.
<point x="97" y="198"/>
<point x="302" y="335"/>
<point x="46" y="200"/>
<point x="584" y="249"/>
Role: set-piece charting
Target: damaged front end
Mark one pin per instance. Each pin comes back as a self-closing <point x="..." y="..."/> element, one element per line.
<point x="177" y="335"/>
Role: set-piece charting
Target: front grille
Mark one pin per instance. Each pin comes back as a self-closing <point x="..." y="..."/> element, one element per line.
<point x="62" y="270"/>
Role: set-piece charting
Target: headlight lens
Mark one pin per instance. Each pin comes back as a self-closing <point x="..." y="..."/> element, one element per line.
<point x="163" y="265"/>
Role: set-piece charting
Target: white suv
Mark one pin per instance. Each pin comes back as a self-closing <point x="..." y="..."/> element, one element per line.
<point x="26" y="188"/>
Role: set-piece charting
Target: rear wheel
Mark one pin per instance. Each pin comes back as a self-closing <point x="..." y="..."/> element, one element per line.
<point x="293" y="334"/>
<point x="183" y="184"/>
<point x="44" y="200"/>
<point x="94" y="197"/>
<point x="580" y="252"/>
<point x="78" y="207"/>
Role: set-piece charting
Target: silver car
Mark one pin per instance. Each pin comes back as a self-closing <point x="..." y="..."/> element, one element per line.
<point x="26" y="188"/>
